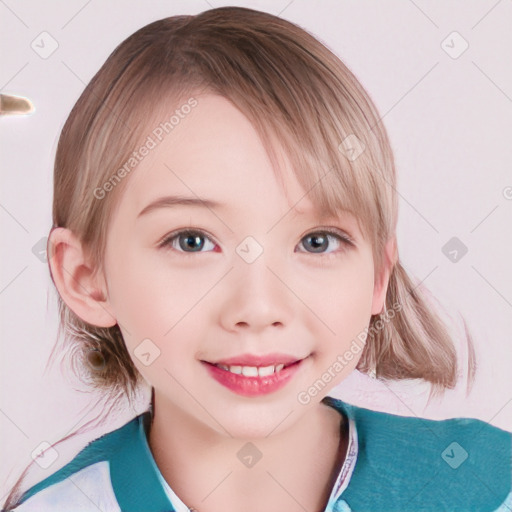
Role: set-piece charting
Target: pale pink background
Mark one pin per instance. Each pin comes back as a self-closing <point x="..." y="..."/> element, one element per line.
<point x="449" y="121"/>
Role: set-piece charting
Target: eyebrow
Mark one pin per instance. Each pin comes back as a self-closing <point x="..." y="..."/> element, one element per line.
<point x="197" y="202"/>
<point x="173" y="201"/>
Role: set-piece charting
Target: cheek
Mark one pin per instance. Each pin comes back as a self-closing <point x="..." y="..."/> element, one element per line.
<point x="343" y="303"/>
<point x="137" y="296"/>
<point x="156" y="300"/>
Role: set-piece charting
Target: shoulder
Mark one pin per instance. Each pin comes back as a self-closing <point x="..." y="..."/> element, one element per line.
<point x="88" y="489"/>
<point x="85" y="481"/>
<point x="424" y="464"/>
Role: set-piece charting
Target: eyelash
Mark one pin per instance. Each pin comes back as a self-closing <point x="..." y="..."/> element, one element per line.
<point x="340" y="236"/>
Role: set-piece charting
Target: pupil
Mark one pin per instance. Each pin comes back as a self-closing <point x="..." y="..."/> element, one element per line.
<point x="318" y="245"/>
<point x="191" y="242"/>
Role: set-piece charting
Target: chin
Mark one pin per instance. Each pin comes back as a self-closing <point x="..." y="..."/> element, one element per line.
<point x="256" y="420"/>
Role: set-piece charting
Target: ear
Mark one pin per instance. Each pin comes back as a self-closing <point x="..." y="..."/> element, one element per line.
<point x="84" y="292"/>
<point x="382" y="277"/>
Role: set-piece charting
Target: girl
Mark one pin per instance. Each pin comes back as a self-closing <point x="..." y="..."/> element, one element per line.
<point x="224" y="229"/>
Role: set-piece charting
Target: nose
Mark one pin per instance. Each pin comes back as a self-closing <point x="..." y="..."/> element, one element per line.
<point x="255" y="297"/>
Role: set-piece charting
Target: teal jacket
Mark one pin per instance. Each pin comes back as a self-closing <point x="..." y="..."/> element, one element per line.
<point x="393" y="463"/>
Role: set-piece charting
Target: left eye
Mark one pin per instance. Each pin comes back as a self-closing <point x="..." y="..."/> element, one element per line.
<point x="320" y="240"/>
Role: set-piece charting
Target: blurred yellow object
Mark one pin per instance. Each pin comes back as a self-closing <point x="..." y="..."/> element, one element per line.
<point x="15" y="105"/>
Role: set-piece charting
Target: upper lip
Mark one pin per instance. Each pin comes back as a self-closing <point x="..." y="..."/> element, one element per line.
<point x="257" y="360"/>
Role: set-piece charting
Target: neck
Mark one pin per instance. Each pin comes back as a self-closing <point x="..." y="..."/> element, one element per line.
<point x="209" y="470"/>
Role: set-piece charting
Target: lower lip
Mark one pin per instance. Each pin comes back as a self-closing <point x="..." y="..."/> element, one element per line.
<point x="253" y="386"/>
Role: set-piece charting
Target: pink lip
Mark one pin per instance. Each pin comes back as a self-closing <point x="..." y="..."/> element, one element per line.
<point x="255" y="360"/>
<point x="255" y="386"/>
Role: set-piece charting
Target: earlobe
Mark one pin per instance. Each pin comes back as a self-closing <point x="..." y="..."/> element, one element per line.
<point x="382" y="279"/>
<point x="82" y="291"/>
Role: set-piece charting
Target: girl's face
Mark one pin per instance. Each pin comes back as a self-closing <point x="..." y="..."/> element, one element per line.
<point x="261" y="280"/>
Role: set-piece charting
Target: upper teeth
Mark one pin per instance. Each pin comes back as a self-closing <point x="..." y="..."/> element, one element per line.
<point x="252" y="371"/>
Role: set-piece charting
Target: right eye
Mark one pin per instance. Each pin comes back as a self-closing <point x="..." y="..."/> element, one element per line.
<point x="188" y="241"/>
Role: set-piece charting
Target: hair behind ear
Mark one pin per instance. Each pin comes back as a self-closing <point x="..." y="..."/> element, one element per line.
<point x="410" y="341"/>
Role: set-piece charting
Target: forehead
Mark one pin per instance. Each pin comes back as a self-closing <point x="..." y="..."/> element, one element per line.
<point x="211" y="152"/>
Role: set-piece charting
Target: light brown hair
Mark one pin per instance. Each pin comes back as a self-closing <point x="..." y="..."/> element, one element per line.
<point x="294" y="90"/>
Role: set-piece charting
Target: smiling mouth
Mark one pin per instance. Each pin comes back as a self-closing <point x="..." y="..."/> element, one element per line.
<point x="254" y="371"/>
<point x="252" y="376"/>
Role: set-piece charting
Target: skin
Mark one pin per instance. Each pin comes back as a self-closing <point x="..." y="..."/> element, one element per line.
<point x="211" y="304"/>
